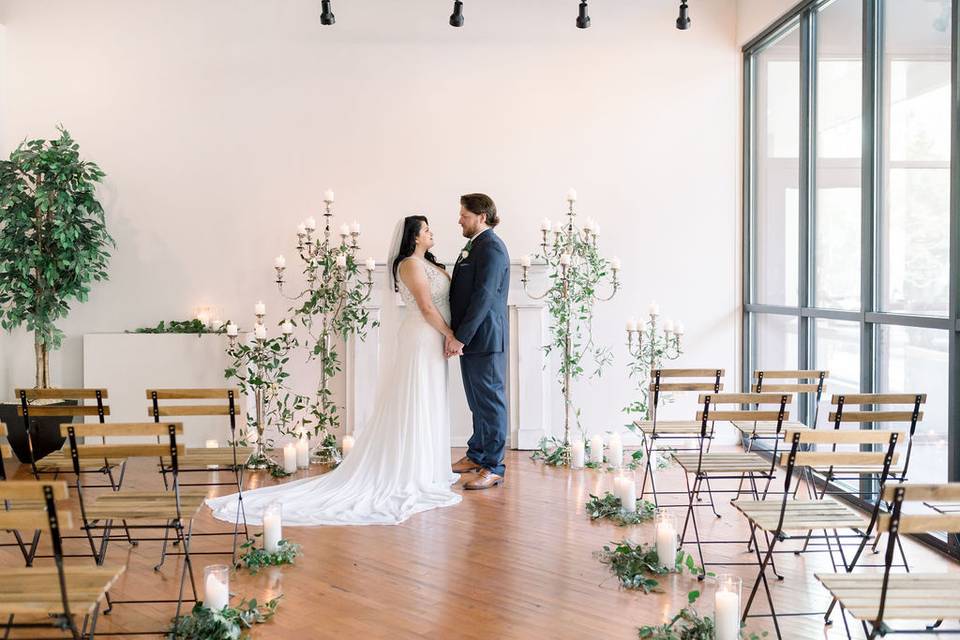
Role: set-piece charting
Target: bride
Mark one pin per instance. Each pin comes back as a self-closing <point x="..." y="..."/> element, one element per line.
<point x="400" y="464"/>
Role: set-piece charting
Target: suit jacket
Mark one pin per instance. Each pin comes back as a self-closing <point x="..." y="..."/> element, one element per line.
<point x="478" y="296"/>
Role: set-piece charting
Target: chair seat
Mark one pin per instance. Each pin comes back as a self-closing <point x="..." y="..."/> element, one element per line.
<point x="767" y="428"/>
<point x="800" y="515"/>
<point x="670" y="427"/>
<point x="59" y="461"/>
<point x="722" y="462"/>
<point x="203" y="457"/>
<point x="910" y="596"/>
<point x="36" y="590"/>
<point x="858" y="469"/>
<point x="144" y="505"/>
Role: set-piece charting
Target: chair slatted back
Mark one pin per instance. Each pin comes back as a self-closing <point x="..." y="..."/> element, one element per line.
<point x="28" y="410"/>
<point x="225" y="405"/>
<point x="911" y="415"/>
<point x="133" y="450"/>
<point x="809" y="381"/>
<point x="666" y="381"/>
<point x="712" y="403"/>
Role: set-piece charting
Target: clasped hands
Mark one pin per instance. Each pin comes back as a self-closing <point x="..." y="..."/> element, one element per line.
<point x="452" y="347"/>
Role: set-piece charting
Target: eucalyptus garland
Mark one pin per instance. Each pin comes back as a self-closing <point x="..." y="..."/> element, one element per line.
<point x="229" y="623"/>
<point x="688" y="624"/>
<point x="635" y="565"/>
<point x="255" y="558"/>
<point x="610" y="507"/>
<point x="181" y="326"/>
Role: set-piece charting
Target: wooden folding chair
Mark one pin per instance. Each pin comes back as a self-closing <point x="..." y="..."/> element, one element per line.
<point x="744" y="466"/>
<point x="59" y="461"/>
<point x="874" y="599"/>
<point x="231" y="458"/>
<point x="49" y="597"/>
<point x="791" y="518"/>
<point x="687" y="432"/>
<point x="798" y="382"/>
<point x="28" y="550"/>
<point x="171" y="510"/>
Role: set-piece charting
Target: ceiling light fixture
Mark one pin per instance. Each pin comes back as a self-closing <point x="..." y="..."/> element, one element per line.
<point x="326" y="15"/>
<point x="583" y="19"/>
<point x="683" y="20"/>
<point x="456" y="18"/>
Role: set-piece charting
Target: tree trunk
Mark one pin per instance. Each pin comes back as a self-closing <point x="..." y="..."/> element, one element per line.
<point x="43" y="363"/>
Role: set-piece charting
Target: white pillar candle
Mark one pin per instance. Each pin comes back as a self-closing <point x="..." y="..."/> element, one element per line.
<point x="341" y="260"/>
<point x="727" y="607"/>
<point x="618" y="490"/>
<point x="232" y="330"/>
<point x="653" y="309"/>
<point x="371" y="264"/>
<point x="301" y="229"/>
<point x="572" y="195"/>
<point x="260" y="309"/>
<point x="289" y="458"/>
<point x="565" y="259"/>
<point x="216" y="587"/>
<point x="344" y="229"/>
<point x="632" y="324"/>
<point x="668" y="325"/>
<point x="666" y="539"/>
<point x="303" y="452"/>
<point x="272" y="530"/>
<point x="347" y="445"/>
<point x="577" y="454"/>
<point x="355" y="227"/>
<point x="679" y="329"/>
<point x="615" y="445"/>
<point x="310" y="223"/>
<point x="615" y="263"/>
<point x="212" y="444"/>
<point x="628" y="498"/>
<point x="525" y="261"/>
<point x="280" y="262"/>
<point x="328" y="195"/>
<point x="260" y="332"/>
<point x="653" y="460"/>
<point x="596" y="449"/>
<point x="252" y="435"/>
<point x="545" y="224"/>
<point x="286" y="327"/>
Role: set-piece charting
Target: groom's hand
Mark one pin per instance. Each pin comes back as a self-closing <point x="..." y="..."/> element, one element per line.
<point x="453" y="347"/>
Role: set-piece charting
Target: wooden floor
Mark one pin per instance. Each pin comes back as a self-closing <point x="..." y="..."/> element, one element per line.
<point x="512" y="562"/>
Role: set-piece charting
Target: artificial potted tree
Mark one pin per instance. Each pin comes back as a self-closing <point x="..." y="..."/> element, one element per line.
<point x="53" y="245"/>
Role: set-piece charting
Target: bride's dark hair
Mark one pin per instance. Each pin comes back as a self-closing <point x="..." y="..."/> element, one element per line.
<point x="408" y="244"/>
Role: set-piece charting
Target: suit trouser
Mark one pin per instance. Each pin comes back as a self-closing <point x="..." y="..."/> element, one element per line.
<point x="484" y="384"/>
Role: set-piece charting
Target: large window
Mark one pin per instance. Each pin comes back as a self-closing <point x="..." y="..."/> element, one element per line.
<point x="848" y="215"/>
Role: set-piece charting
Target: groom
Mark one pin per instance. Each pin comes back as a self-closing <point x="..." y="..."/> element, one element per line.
<point x="478" y="307"/>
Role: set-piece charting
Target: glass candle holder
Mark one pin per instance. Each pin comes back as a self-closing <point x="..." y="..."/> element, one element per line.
<point x="666" y="528"/>
<point x="216" y="586"/>
<point x="272" y="530"/>
<point x="727" y="606"/>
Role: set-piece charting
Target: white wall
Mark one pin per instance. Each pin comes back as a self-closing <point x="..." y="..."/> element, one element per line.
<point x="753" y="16"/>
<point x="219" y="123"/>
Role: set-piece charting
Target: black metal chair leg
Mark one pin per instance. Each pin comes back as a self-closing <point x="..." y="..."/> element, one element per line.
<point x="163" y="549"/>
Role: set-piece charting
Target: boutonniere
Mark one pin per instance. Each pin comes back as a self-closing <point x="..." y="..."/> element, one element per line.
<point x="464" y="254"/>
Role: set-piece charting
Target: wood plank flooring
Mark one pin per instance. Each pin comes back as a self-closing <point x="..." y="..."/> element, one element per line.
<point x="512" y="562"/>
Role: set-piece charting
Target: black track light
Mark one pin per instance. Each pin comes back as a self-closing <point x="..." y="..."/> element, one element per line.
<point x="583" y="19"/>
<point x="456" y="18"/>
<point x="683" y="20"/>
<point x="326" y="16"/>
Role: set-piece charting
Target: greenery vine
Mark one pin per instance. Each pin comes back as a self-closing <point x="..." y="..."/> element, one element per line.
<point x="635" y="565"/>
<point x="610" y="507"/>
<point x="229" y="623"/>
<point x="255" y="558"/>
<point x="688" y="624"/>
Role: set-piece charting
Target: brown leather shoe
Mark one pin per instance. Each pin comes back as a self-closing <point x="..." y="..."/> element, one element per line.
<point x="485" y="480"/>
<point x="465" y="465"/>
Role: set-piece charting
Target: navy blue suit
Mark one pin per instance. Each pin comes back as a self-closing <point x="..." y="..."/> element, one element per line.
<point x="478" y="310"/>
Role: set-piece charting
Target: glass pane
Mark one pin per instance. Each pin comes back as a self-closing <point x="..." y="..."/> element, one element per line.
<point x="777" y="346"/>
<point x="915" y="219"/>
<point x="777" y="156"/>
<point x="838" y="125"/>
<point x="837" y="351"/>
<point x="914" y="360"/>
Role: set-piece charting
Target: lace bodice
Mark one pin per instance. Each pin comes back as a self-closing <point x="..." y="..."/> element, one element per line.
<point x="439" y="289"/>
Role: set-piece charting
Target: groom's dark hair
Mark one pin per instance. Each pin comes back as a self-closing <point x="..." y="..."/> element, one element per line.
<point x="481" y="204"/>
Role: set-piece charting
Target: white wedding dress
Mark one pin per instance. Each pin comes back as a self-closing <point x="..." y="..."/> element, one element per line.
<point x="400" y="464"/>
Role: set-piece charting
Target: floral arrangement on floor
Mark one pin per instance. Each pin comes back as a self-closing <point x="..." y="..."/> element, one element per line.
<point x="635" y="565"/>
<point x="610" y="507"/>
<point x="229" y="623"/>
<point x="687" y="624"/>
<point x="255" y="558"/>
